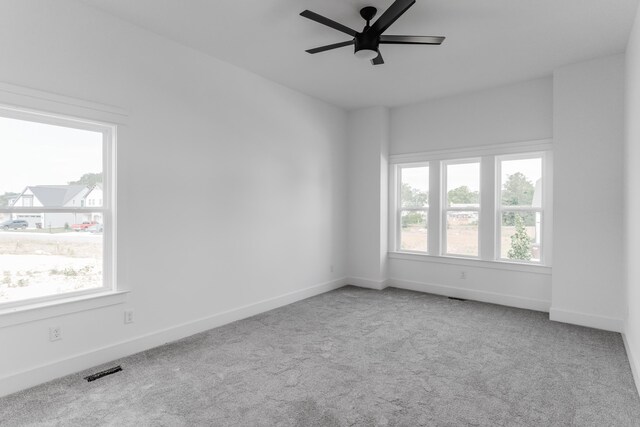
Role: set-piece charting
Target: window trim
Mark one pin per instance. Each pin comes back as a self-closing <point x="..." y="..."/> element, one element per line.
<point x="108" y="210"/>
<point x="444" y="209"/>
<point x="400" y="208"/>
<point x="488" y="155"/>
<point x="500" y="209"/>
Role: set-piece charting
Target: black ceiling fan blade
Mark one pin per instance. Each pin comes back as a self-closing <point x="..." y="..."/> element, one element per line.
<point x="377" y="60"/>
<point x="330" y="46"/>
<point x="328" y="22"/>
<point x="391" y="15"/>
<point x="435" y="40"/>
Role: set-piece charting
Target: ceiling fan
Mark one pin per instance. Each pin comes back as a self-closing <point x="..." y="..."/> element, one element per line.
<point x="367" y="41"/>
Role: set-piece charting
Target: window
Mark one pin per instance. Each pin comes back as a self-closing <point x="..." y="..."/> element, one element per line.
<point x="520" y="207"/>
<point x="413" y="207"/>
<point x="50" y="245"/>
<point x="488" y="205"/>
<point x="462" y="207"/>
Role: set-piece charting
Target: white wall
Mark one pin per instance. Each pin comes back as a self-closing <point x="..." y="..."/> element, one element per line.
<point x="588" y="286"/>
<point x="264" y="164"/>
<point x="368" y="183"/>
<point x="632" y="198"/>
<point x="520" y="112"/>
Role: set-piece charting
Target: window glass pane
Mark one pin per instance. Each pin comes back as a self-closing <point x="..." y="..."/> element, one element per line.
<point x="43" y="155"/>
<point x="521" y="182"/>
<point x="413" y="234"/>
<point x="415" y="187"/>
<point x="463" y="185"/>
<point x="48" y="254"/>
<point x="49" y="166"/>
<point x="520" y="236"/>
<point x="462" y="233"/>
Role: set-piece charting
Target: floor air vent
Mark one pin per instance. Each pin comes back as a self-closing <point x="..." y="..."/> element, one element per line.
<point x="104" y="373"/>
<point x="457" y="299"/>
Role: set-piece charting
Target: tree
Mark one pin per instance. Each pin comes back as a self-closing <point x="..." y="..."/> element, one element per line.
<point x="520" y="242"/>
<point x="88" y="179"/>
<point x="4" y="199"/>
<point x="517" y="191"/>
<point x="462" y="195"/>
<point x="413" y="198"/>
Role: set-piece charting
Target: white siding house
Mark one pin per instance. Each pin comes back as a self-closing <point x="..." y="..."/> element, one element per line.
<point x="94" y="199"/>
<point x="52" y="196"/>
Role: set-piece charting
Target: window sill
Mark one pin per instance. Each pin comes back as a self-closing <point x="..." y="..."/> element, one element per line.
<point x="495" y="265"/>
<point x="59" y="307"/>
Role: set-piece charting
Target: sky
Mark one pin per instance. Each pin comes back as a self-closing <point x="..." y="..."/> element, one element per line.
<point x="42" y="154"/>
<point x="531" y="168"/>
<point x="416" y="177"/>
<point x="463" y="174"/>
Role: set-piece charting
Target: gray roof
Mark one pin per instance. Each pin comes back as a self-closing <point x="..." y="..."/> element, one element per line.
<point x="55" y="196"/>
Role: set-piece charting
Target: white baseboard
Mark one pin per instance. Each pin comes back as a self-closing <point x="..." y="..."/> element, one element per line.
<point x="633" y="360"/>
<point x="473" y="294"/>
<point x="361" y="282"/>
<point x="50" y="371"/>
<point x="590" y="320"/>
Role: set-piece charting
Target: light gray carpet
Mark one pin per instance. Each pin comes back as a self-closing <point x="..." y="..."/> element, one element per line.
<point x="358" y="357"/>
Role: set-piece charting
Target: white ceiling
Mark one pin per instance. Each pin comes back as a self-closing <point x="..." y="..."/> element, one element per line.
<point x="489" y="42"/>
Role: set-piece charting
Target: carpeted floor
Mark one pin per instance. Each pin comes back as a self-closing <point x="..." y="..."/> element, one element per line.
<point x="358" y="357"/>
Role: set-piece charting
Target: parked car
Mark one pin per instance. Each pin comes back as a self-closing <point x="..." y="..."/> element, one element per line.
<point x="83" y="226"/>
<point x="96" y="228"/>
<point x="14" y="223"/>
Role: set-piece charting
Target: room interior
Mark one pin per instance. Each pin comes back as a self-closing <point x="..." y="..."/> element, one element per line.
<point x="255" y="179"/>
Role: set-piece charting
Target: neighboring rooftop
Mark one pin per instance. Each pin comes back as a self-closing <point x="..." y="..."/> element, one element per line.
<point x="53" y="196"/>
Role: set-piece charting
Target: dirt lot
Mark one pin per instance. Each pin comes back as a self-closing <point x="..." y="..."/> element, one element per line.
<point x="39" y="264"/>
<point x="461" y="239"/>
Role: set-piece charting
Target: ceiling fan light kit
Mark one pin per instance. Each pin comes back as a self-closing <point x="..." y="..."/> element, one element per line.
<point x="366" y="43"/>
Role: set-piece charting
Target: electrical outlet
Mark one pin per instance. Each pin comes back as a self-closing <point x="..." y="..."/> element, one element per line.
<point x="128" y="316"/>
<point x="463" y="275"/>
<point x="55" y="333"/>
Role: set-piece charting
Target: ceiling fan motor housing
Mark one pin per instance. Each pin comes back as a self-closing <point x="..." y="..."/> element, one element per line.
<point x="366" y="42"/>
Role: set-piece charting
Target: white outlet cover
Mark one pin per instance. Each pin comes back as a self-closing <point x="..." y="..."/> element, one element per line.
<point x="128" y="316"/>
<point x="55" y="333"/>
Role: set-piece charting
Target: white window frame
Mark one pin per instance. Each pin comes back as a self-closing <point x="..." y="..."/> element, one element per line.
<point x="489" y="230"/>
<point x="500" y="209"/>
<point x="400" y="209"/>
<point x="446" y="209"/>
<point x="108" y="211"/>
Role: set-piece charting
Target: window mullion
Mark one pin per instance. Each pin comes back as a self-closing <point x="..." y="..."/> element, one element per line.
<point x="434" y="214"/>
<point x="487" y="224"/>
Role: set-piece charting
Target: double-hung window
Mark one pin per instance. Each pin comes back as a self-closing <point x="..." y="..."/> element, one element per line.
<point x="461" y="212"/>
<point x="520" y="207"/>
<point x="488" y="204"/>
<point x="413" y="207"/>
<point x="53" y="244"/>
